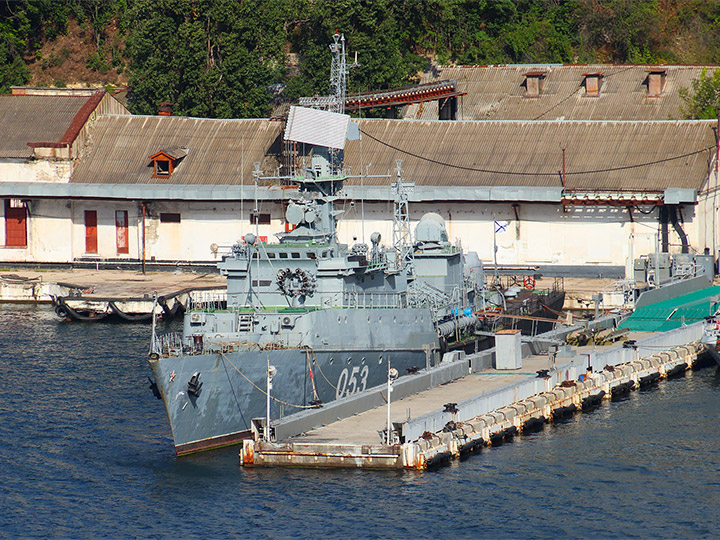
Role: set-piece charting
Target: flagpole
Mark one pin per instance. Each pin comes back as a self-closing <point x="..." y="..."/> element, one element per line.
<point x="495" y="227"/>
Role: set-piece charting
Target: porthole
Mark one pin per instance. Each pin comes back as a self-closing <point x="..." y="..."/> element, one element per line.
<point x="380" y="359"/>
<point x="331" y="361"/>
<point x="339" y="320"/>
<point x="349" y="361"/>
<point x="362" y="360"/>
<point x="394" y="320"/>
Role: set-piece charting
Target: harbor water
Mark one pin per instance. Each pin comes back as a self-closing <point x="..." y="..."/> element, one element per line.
<point x="86" y="452"/>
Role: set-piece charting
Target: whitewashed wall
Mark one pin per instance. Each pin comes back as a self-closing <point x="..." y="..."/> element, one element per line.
<point x="20" y="170"/>
<point x="544" y="234"/>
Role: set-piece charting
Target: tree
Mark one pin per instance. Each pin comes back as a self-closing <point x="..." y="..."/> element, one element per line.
<point x="22" y="26"/>
<point x="209" y="59"/>
<point x="702" y="99"/>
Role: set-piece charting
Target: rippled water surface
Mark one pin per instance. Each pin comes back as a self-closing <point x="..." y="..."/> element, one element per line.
<point x="85" y="452"/>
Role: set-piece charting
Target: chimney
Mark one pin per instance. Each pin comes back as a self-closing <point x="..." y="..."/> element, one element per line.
<point x="593" y="83"/>
<point x="534" y="83"/>
<point x="165" y="109"/>
<point x="656" y="82"/>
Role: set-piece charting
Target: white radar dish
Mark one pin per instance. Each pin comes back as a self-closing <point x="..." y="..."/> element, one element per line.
<point x="294" y="214"/>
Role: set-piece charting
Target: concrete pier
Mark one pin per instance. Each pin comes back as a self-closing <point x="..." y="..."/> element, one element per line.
<point x="23" y="285"/>
<point x="480" y="408"/>
<point x="96" y="294"/>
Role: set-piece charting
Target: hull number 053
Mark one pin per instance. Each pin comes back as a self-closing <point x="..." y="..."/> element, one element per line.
<point x="352" y="382"/>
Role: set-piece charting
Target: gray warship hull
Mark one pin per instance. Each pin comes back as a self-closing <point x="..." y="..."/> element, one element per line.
<point x="233" y="390"/>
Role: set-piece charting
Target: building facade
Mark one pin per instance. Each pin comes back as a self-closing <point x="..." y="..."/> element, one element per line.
<point x="593" y="192"/>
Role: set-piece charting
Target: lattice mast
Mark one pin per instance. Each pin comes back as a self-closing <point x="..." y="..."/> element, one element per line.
<point x="338" y="74"/>
<point x="402" y="235"/>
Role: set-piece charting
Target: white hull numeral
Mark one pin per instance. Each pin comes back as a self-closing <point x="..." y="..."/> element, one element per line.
<point x="352" y="382"/>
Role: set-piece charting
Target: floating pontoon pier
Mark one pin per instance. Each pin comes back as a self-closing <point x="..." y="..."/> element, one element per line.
<point x="437" y="417"/>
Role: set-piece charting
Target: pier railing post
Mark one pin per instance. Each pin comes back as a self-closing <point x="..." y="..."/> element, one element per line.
<point x="392" y="375"/>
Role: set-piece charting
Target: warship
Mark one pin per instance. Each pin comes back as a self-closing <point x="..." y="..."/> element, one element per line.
<point x="323" y="320"/>
<point x="309" y="320"/>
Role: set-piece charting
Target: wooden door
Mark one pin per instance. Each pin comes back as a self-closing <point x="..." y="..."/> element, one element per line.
<point x="121" y="231"/>
<point x="15" y="225"/>
<point x="91" y="231"/>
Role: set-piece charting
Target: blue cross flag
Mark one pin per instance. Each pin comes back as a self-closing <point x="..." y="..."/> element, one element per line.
<point x="501" y="226"/>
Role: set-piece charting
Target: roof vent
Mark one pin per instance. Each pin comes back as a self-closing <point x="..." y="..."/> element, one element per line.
<point x="534" y="83"/>
<point x="593" y="83"/>
<point x="656" y="82"/>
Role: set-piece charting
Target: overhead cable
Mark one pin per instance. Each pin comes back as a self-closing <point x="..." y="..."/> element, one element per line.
<point x="518" y="173"/>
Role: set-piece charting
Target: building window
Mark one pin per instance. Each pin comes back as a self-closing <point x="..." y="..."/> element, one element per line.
<point x="262" y="219"/>
<point x="170" y="217"/>
<point x="91" y="231"/>
<point x="162" y="167"/>
<point x="15" y="223"/>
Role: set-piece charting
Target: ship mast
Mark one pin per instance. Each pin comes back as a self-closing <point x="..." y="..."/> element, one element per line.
<point x="402" y="236"/>
<point x="338" y="74"/>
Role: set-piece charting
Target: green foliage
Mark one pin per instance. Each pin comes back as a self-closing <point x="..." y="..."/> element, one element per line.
<point x="209" y="59"/>
<point x="13" y="71"/>
<point x="96" y="61"/>
<point x="219" y="58"/>
<point x="620" y="30"/>
<point x="22" y="26"/>
<point x="702" y="100"/>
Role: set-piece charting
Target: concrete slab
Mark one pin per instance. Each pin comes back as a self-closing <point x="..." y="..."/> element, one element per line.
<point x="102" y="283"/>
<point x="363" y="428"/>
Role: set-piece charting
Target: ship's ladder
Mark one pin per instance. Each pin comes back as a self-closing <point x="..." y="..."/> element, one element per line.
<point x="245" y="323"/>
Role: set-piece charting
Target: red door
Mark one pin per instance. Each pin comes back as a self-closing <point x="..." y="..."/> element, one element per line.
<point x="121" y="231"/>
<point x="91" y="231"/>
<point x="15" y="225"/>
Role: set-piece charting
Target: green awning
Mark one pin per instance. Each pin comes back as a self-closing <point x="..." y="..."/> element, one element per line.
<point x="672" y="313"/>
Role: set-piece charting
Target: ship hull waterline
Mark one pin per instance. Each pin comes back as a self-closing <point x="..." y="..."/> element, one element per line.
<point x="234" y="385"/>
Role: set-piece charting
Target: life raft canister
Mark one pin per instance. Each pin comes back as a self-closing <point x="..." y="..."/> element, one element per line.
<point x="529" y="282"/>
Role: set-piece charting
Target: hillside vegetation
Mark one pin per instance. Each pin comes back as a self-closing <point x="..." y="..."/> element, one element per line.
<point x="236" y="58"/>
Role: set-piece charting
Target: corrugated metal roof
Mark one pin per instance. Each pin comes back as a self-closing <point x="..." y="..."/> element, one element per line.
<point x="120" y="147"/>
<point x="27" y="119"/>
<point x="599" y="156"/>
<point x="497" y="93"/>
<point x="437" y="153"/>
<point x="672" y="313"/>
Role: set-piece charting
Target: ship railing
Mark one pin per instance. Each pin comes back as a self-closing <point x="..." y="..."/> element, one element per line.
<point x="208" y="301"/>
<point x="169" y="344"/>
<point x="357" y="299"/>
<point x="424" y="295"/>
